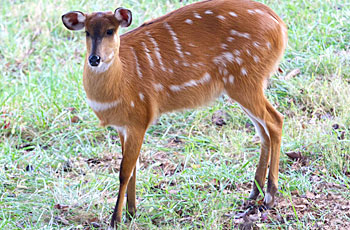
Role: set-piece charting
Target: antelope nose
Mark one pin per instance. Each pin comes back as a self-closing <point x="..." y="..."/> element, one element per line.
<point x="94" y="60"/>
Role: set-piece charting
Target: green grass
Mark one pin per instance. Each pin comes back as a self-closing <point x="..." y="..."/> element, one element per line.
<point x="46" y="160"/>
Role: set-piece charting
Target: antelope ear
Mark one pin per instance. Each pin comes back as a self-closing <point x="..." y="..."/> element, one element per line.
<point x="124" y="16"/>
<point x="74" y="20"/>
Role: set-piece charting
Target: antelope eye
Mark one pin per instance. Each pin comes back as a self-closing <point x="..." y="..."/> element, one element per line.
<point x="87" y="34"/>
<point x="110" y="32"/>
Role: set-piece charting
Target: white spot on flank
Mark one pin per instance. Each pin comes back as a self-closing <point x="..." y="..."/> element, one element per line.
<point x="224" y="46"/>
<point x="221" y="17"/>
<point x="256" y="44"/>
<point x="158" y="87"/>
<point x="208" y="12"/>
<point x="141" y="96"/>
<point x="259" y="11"/>
<point x="248" y="52"/>
<point x="176" y="61"/>
<point x="244" y="71"/>
<point x="238" y="60"/>
<point x="132" y="104"/>
<point x="237" y="52"/>
<point x="206" y="78"/>
<point x="230" y="39"/>
<point x="189" y="21"/>
<point x="224" y="79"/>
<point x="251" y="12"/>
<point x="122" y="130"/>
<point x="226" y="56"/>
<point x="243" y="35"/>
<point x="188" y="53"/>
<point x="138" y="69"/>
<point x="268" y="44"/>
<point x="186" y="64"/>
<point x="175" y="88"/>
<point x="256" y="58"/>
<point x="233" y="14"/>
<point x="148" y="55"/>
<point x="221" y="70"/>
<point x="190" y="83"/>
<point x="196" y="15"/>
<point x="192" y="45"/>
<point x="101" y="106"/>
<point x="156" y="50"/>
<point x="175" y="39"/>
<point x="231" y="79"/>
<point x="225" y="72"/>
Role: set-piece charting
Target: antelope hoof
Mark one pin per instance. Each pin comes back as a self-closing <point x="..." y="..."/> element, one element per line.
<point x="269" y="200"/>
<point x="115" y="222"/>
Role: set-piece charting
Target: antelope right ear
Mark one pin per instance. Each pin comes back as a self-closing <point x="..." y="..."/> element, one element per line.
<point x="124" y="16"/>
<point x="74" y="20"/>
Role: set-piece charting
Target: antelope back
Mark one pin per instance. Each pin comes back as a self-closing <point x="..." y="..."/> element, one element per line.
<point x="189" y="56"/>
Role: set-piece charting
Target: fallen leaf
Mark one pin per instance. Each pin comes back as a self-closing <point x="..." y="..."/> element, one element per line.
<point x="219" y="118"/>
<point x="61" y="207"/>
<point x="75" y="119"/>
<point x="294" y="155"/>
<point x="292" y="74"/>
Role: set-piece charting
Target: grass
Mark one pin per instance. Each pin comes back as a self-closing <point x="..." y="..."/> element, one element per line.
<point x="57" y="173"/>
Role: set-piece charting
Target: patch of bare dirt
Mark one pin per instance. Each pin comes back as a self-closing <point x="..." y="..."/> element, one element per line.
<point x="326" y="209"/>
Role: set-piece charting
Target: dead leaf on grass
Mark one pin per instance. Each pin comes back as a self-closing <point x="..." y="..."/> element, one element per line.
<point x="75" y="119"/>
<point x="94" y="222"/>
<point x="294" y="155"/>
<point x="292" y="74"/>
<point x="61" y="207"/>
<point x="219" y="118"/>
<point x="174" y="141"/>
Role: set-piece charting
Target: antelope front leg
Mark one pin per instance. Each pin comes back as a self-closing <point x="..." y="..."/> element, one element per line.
<point x="131" y="196"/>
<point x="132" y="145"/>
<point x="131" y="190"/>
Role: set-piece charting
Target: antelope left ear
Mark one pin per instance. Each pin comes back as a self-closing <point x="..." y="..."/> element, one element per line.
<point x="74" y="20"/>
<point x="124" y="16"/>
